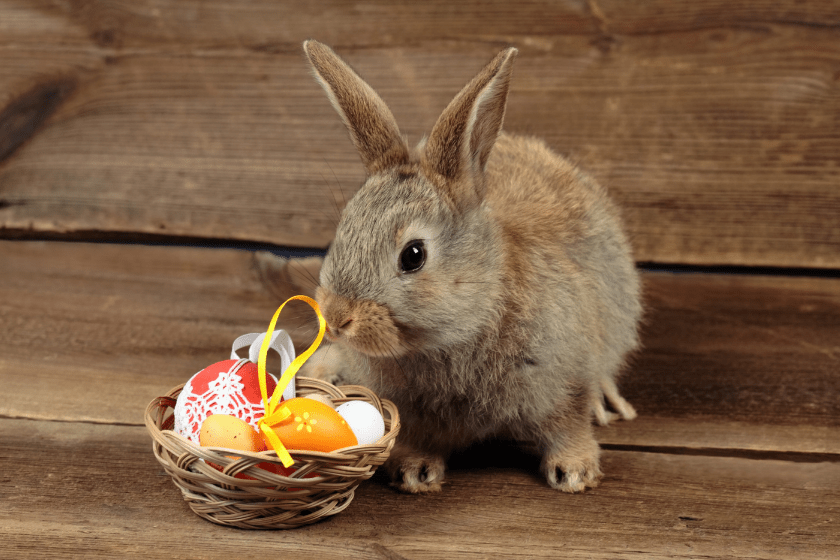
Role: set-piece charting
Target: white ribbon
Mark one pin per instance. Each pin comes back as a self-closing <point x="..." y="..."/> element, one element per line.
<point x="281" y="343"/>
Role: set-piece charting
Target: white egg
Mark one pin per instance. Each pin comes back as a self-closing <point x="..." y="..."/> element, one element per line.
<point x="364" y="419"/>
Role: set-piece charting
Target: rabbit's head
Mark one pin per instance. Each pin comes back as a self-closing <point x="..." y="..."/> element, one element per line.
<point x="415" y="264"/>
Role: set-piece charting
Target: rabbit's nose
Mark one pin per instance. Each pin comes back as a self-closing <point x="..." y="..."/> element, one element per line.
<point x="337" y="311"/>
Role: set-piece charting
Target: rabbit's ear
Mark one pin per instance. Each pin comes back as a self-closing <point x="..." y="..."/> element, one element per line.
<point x="460" y="142"/>
<point x="372" y="126"/>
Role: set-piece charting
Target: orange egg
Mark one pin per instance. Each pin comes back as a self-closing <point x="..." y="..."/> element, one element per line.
<point x="313" y="426"/>
<point x="222" y="430"/>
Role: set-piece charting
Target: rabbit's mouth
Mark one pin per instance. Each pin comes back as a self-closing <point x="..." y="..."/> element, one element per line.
<point x="334" y="334"/>
<point x="365" y="325"/>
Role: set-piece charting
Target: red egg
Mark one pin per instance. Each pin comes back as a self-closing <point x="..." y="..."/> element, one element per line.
<point x="229" y="387"/>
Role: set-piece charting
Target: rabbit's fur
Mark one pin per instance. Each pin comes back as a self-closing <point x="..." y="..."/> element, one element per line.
<point x="527" y="303"/>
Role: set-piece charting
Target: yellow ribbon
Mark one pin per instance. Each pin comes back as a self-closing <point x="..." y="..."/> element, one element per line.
<point x="274" y="413"/>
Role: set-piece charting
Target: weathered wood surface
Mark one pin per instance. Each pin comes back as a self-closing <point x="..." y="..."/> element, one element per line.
<point x="79" y="317"/>
<point x="715" y="124"/>
<point x="730" y="361"/>
<point x="735" y="453"/>
<point x="73" y="490"/>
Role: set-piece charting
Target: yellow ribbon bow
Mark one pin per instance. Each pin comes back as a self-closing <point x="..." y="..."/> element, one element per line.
<point x="274" y="412"/>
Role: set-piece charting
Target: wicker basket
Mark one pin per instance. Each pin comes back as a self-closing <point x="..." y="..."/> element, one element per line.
<point x="269" y="500"/>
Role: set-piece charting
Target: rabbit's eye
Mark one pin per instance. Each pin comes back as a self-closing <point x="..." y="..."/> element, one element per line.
<point x="413" y="257"/>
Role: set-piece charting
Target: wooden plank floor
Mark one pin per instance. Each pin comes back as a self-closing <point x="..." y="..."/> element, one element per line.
<point x="736" y="453"/>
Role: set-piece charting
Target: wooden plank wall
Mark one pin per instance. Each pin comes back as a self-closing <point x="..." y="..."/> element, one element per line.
<point x="714" y="123"/>
<point x="146" y="124"/>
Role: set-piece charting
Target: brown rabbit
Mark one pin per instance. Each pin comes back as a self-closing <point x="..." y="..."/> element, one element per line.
<point x="479" y="281"/>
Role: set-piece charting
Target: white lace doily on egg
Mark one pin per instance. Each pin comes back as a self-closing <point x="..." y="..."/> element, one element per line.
<point x="226" y="392"/>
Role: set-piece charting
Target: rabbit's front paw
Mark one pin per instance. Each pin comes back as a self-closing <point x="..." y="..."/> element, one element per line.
<point x="418" y="473"/>
<point x="326" y="364"/>
<point x="572" y="476"/>
<point x="574" y="465"/>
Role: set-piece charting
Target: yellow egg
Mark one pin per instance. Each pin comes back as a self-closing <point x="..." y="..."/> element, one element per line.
<point x="313" y="426"/>
<point x="222" y="430"/>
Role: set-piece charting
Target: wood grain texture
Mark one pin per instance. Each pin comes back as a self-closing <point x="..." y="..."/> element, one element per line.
<point x="132" y="318"/>
<point x="93" y="491"/>
<point x="756" y="349"/>
<point x="271" y="25"/>
<point x="730" y="362"/>
<point x="715" y="124"/>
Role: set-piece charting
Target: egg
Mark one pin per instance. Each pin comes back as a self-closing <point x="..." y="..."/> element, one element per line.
<point x="313" y="426"/>
<point x="321" y="398"/>
<point x="229" y="387"/>
<point x="364" y="419"/>
<point x="230" y="432"/>
<point x="223" y="430"/>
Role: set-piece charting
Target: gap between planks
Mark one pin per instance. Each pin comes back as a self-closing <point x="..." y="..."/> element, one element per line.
<point x="801" y="446"/>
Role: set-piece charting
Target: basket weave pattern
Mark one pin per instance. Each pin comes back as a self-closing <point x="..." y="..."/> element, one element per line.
<point x="269" y="500"/>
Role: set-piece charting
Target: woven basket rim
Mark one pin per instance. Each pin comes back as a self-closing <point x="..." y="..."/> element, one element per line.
<point x="346" y="392"/>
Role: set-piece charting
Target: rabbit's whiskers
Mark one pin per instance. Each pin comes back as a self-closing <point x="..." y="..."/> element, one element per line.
<point x="305" y="272"/>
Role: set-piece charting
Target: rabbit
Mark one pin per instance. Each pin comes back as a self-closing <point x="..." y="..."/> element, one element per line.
<point x="479" y="281"/>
